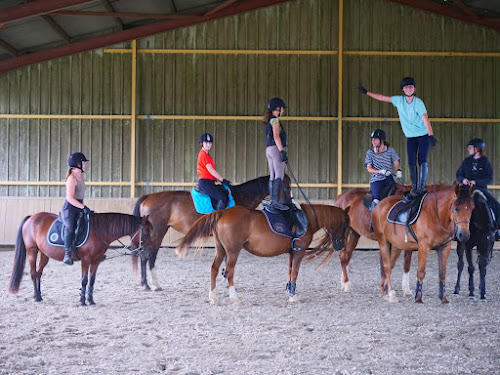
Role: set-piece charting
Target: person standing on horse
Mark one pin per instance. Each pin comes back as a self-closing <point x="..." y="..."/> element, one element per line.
<point x="379" y="161"/>
<point x="417" y="129"/>
<point x="207" y="175"/>
<point x="476" y="170"/>
<point x="276" y="141"/>
<point x="73" y="207"/>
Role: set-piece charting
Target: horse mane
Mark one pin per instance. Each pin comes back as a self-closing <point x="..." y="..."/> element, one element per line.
<point x="252" y="188"/>
<point x="114" y="224"/>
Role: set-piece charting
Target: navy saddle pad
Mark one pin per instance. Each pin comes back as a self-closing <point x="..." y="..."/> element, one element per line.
<point x="406" y="213"/>
<point x="55" y="235"/>
<point x="278" y="224"/>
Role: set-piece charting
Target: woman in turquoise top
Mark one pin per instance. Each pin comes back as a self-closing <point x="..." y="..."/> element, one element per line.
<point x="416" y="127"/>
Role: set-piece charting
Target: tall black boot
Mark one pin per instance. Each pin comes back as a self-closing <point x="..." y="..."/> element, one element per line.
<point x="69" y="245"/>
<point x="414" y="182"/>
<point x="275" y="196"/>
<point x="270" y="190"/>
<point x="424" y="170"/>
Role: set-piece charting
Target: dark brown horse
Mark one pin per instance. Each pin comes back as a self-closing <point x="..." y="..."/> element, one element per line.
<point x="176" y="209"/>
<point x="359" y="217"/>
<point x="239" y="227"/>
<point x="444" y="214"/>
<point x="104" y="229"/>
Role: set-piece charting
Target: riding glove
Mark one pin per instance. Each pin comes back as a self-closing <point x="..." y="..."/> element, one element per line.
<point x="86" y="210"/>
<point x="284" y="156"/>
<point x="226" y="182"/>
<point x="362" y="89"/>
<point x="433" y="140"/>
<point x="384" y="172"/>
<point x="399" y="174"/>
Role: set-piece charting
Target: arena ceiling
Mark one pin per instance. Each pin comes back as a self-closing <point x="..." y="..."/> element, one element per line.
<point x="40" y="30"/>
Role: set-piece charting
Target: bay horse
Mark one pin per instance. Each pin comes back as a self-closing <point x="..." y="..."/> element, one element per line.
<point x="176" y="209"/>
<point x="482" y="236"/>
<point x="445" y="214"/>
<point x="239" y="227"/>
<point x="359" y="217"/>
<point x="104" y="229"/>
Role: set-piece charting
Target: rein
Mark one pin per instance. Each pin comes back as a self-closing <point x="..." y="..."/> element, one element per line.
<point x="302" y="192"/>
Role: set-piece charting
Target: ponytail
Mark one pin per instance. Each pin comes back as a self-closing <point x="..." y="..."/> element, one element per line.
<point x="267" y="116"/>
<point x="70" y="171"/>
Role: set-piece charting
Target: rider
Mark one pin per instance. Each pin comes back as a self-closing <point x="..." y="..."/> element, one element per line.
<point x="476" y="171"/>
<point x="276" y="141"/>
<point x="207" y="175"/>
<point x="378" y="162"/>
<point x="417" y="129"/>
<point x="73" y="206"/>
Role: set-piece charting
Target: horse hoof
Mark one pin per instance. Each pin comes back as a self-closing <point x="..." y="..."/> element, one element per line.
<point x="407" y="293"/>
<point x="483" y="299"/>
<point x="419" y="300"/>
<point x="444" y="300"/>
<point x="213" y="299"/>
<point x="238" y="302"/>
<point x="158" y="289"/>
<point x="472" y="298"/>
<point x="293" y="299"/>
<point x="347" y="287"/>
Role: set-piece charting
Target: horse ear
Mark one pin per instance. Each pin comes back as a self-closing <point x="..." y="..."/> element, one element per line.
<point x="347" y="209"/>
<point x="472" y="188"/>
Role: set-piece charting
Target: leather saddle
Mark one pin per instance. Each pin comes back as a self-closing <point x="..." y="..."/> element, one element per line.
<point x="55" y="235"/>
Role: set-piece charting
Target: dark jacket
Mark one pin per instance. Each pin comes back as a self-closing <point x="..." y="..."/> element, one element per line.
<point x="478" y="170"/>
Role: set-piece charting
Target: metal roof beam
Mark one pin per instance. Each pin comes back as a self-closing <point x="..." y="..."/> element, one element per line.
<point x="220" y="7"/>
<point x="449" y="11"/>
<point x="37" y="8"/>
<point x="130" y="34"/>
<point x="123" y="15"/>
<point x="58" y="29"/>
<point x="6" y="46"/>
<point x="110" y="8"/>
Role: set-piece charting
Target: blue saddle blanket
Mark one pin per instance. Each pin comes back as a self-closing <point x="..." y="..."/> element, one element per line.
<point x="55" y="235"/>
<point x="203" y="202"/>
<point x="278" y="224"/>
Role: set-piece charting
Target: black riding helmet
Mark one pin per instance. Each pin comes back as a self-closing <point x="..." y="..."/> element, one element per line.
<point x="275" y="103"/>
<point x="378" y="133"/>
<point x="406" y="81"/>
<point x="206" y="137"/>
<point x="76" y="158"/>
<point x="477" y="142"/>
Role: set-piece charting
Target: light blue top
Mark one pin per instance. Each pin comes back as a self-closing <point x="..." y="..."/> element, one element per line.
<point x="410" y="115"/>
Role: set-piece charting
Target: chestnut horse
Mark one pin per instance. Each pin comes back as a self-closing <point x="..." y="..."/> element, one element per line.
<point x="239" y="227"/>
<point x="104" y="229"/>
<point x="176" y="209"/>
<point x="444" y="214"/>
<point x="359" y="217"/>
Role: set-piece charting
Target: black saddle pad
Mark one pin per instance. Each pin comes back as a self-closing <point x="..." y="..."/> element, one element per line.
<point x="55" y="235"/>
<point x="406" y="213"/>
<point x="281" y="222"/>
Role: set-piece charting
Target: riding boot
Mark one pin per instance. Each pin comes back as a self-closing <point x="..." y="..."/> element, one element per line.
<point x="220" y="206"/>
<point x="414" y="182"/>
<point x="424" y="170"/>
<point x="69" y="245"/>
<point x="270" y="189"/>
<point x="275" y="196"/>
<point x="372" y="206"/>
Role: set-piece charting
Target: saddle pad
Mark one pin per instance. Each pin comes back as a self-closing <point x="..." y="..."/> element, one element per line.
<point x="403" y="212"/>
<point x="203" y="203"/>
<point x="55" y="234"/>
<point x="278" y="224"/>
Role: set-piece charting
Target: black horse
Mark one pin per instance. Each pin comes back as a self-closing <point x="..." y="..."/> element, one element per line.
<point x="482" y="236"/>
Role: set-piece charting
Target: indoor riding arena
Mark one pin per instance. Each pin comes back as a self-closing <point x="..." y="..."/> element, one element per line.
<point x="134" y="84"/>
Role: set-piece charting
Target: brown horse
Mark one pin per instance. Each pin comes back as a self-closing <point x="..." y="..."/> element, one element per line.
<point x="444" y="214"/>
<point x="104" y="229"/>
<point x="176" y="209"/>
<point x="359" y="217"/>
<point x="239" y="227"/>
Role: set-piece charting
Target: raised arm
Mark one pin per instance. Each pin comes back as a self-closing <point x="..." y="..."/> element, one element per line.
<point x="374" y="95"/>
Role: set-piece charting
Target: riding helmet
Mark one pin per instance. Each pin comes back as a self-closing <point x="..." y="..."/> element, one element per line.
<point x="408" y="81"/>
<point x="76" y="158"/>
<point x="206" y="137"/>
<point x="378" y="133"/>
<point x="477" y="142"/>
<point x="275" y="103"/>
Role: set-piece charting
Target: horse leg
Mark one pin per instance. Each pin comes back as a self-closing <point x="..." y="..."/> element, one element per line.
<point x="144" y="276"/>
<point x="345" y="256"/>
<point x="296" y="260"/>
<point x="85" y="280"/>
<point x="405" y="282"/>
<point x="36" y="273"/>
<point x="423" y="253"/>
<point x="90" y="286"/>
<point x="471" y="269"/>
<point x="220" y="254"/>
<point x="484" y="258"/>
<point x="154" y="279"/>
<point x="385" y="257"/>
<point x="460" y="265"/>
<point x="231" y="263"/>
<point x="443" y="254"/>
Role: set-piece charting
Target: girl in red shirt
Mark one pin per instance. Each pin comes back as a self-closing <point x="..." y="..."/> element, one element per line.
<point x="207" y="175"/>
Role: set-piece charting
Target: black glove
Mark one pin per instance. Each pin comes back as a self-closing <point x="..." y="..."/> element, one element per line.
<point x="86" y="210"/>
<point x="284" y="156"/>
<point x="226" y="182"/>
<point x="433" y="140"/>
<point x="362" y="89"/>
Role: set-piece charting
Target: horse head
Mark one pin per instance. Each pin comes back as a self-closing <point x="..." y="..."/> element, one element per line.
<point x="144" y="245"/>
<point x="461" y="211"/>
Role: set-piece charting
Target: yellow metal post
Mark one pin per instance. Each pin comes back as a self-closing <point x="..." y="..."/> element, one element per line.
<point x="339" y="110"/>
<point x="133" y="119"/>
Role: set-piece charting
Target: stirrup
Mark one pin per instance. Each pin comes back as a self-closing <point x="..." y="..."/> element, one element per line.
<point x="297" y="244"/>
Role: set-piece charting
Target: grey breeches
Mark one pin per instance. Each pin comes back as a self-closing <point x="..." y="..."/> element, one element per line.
<point x="276" y="166"/>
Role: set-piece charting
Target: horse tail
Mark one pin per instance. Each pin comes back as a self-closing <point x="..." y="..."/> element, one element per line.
<point x="137" y="207"/>
<point x="204" y="227"/>
<point x="19" y="261"/>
